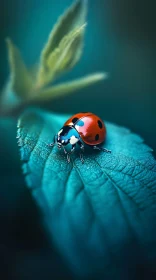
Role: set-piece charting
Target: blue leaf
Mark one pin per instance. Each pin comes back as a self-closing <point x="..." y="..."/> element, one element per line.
<point x="101" y="215"/>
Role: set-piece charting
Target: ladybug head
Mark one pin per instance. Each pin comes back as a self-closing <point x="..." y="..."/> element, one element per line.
<point x="62" y="137"/>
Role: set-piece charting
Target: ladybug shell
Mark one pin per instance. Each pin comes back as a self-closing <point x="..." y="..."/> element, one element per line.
<point x="89" y="126"/>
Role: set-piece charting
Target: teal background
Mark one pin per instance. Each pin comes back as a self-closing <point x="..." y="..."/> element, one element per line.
<point x="120" y="39"/>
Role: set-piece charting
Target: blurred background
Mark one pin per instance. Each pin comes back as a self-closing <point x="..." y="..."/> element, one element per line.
<point x="121" y="40"/>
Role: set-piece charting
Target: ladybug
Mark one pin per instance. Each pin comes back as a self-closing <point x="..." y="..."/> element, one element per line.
<point x="81" y="129"/>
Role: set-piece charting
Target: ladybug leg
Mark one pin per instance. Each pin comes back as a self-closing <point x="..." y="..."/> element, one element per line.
<point x="67" y="154"/>
<point x="81" y="158"/>
<point x="73" y="148"/>
<point x="101" y="149"/>
<point x="64" y="150"/>
<point x="82" y="150"/>
<point x="68" y="157"/>
<point x="81" y="146"/>
<point x="52" y="144"/>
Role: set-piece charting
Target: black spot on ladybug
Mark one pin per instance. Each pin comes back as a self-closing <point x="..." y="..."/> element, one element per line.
<point x="74" y="120"/>
<point x="97" y="137"/>
<point x="100" y="124"/>
<point x="65" y="131"/>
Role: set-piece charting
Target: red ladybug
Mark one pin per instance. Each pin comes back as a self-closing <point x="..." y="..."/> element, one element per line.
<point x="82" y="128"/>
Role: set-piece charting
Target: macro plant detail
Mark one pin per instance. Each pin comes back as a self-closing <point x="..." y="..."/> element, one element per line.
<point x="100" y="216"/>
<point x="61" y="53"/>
<point x="107" y="203"/>
<point x="83" y="130"/>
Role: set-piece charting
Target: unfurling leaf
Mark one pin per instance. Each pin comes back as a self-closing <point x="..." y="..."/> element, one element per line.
<point x="62" y="51"/>
<point x="69" y="87"/>
<point x="65" y="56"/>
<point x="68" y="52"/>
<point x="72" y="19"/>
<point x="20" y="79"/>
<point x="100" y="214"/>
